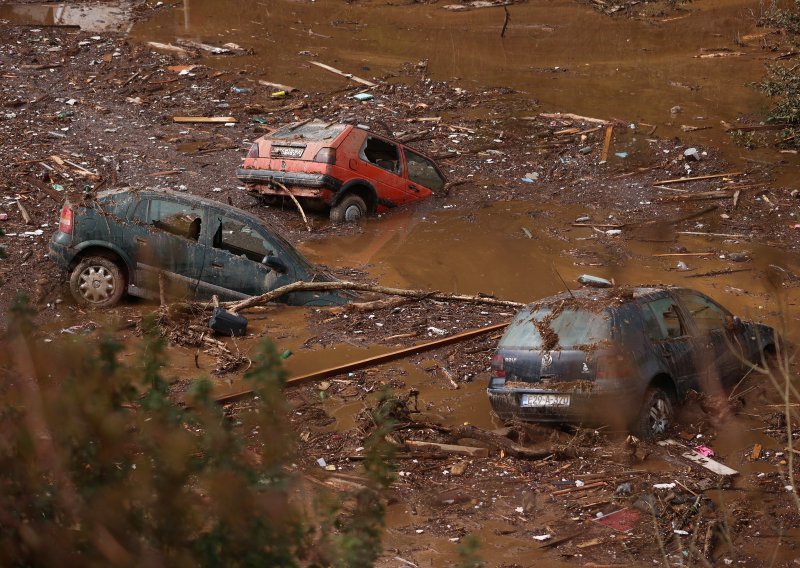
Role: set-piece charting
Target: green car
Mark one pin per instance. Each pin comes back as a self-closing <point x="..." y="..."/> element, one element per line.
<point x="142" y="241"/>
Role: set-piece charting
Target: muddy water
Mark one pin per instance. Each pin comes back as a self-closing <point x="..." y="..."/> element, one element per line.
<point x="560" y="53"/>
<point x="112" y="16"/>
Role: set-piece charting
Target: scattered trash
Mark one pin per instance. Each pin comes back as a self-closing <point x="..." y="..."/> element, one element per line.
<point x="585" y="150"/>
<point x="682" y="266"/>
<point x="530" y="177"/>
<point x="692" y="154"/>
<point x="436" y="331"/>
<point x="542" y="537"/>
<point x="321" y="462"/>
<point x="363" y="97"/>
<point x="225" y="323"/>
<point x="622" y="155"/>
<point x="664" y="486"/>
<point x="613" y="232"/>
<point x="595" y="281"/>
<point x="704" y="451"/>
<point x="623" y="489"/>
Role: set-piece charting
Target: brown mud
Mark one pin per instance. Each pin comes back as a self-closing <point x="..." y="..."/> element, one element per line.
<point x="101" y="98"/>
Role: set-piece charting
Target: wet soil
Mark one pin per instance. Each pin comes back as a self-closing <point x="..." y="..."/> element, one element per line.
<point x="103" y="100"/>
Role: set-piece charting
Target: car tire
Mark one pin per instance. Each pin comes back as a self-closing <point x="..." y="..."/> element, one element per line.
<point x="655" y="416"/>
<point x="350" y="209"/>
<point x="98" y="282"/>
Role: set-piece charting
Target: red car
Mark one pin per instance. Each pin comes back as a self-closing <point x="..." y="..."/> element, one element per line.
<point x="348" y="168"/>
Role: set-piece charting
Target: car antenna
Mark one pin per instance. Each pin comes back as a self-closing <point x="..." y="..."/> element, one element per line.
<point x="564" y="283"/>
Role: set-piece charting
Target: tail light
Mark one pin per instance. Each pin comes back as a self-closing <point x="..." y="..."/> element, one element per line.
<point x="326" y="156"/>
<point x="65" y="224"/>
<point x="498" y="369"/>
<point x="253" y="153"/>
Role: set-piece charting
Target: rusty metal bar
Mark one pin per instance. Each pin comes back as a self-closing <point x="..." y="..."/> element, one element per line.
<point x="371" y="361"/>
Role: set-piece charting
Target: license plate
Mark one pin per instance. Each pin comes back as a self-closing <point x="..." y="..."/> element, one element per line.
<point x="545" y="400"/>
<point x="287" y="151"/>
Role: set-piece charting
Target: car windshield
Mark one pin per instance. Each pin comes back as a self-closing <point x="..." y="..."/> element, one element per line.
<point x="313" y="130"/>
<point x="572" y="327"/>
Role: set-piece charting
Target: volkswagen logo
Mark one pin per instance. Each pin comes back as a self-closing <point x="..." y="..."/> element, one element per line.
<point x="547" y="360"/>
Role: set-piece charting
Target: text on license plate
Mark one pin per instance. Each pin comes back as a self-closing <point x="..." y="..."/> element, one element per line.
<point x="544" y="400"/>
<point x="287" y="151"/>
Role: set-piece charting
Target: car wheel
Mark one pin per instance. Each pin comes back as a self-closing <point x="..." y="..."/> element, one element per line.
<point x="351" y="208"/>
<point x="655" y="417"/>
<point x="98" y="282"/>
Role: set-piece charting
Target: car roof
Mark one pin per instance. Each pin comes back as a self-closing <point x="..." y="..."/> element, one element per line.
<point x="598" y="298"/>
<point x="187" y="197"/>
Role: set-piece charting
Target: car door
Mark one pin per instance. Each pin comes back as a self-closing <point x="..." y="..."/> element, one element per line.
<point x="165" y="232"/>
<point x="380" y="162"/>
<point x="235" y="250"/>
<point x="424" y="177"/>
<point x="671" y="338"/>
<point x="723" y="348"/>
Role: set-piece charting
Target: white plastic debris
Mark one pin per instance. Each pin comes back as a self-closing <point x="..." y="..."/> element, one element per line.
<point x="519" y="510"/>
<point x="436" y="330"/>
<point x="541" y="537"/>
<point x="664" y="486"/>
<point x="321" y="462"/>
<point x="579" y="483"/>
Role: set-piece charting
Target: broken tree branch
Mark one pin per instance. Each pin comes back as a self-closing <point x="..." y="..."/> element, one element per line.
<point x="296" y="203"/>
<point x="356" y="286"/>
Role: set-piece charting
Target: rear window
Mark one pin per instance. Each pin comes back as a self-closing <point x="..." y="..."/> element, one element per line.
<point x="313" y="130"/>
<point x="570" y="328"/>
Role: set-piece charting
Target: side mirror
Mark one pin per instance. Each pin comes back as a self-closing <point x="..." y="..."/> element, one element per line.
<point x="275" y="264"/>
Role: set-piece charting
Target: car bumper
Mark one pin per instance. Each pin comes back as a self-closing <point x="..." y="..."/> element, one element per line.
<point x="610" y="407"/>
<point x="60" y="249"/>
<point x="295" y="180"/>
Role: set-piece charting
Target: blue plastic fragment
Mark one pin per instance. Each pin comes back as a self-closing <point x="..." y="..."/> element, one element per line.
<point x="362" y="97"/>
<point x="621" y="154"/>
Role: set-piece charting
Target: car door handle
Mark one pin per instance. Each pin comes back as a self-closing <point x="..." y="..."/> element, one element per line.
<point x="217" y="264"/>
<point x="413" y="188"/>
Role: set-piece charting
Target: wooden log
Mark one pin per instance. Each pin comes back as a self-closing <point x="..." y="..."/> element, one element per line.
<point x="343" y="285"/>
<point x="509" y="447"/>
<point x="696" y="178"/>
<point x="204" y="119"/>
<point x="449" y="449"/>
<point x="370" y="361"/>
<point x="343" y="74"/>
<point x="295" y="201"/>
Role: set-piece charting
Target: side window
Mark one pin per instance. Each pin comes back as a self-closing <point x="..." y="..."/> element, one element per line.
<point x="382" y="154"/>
<point x="667" y="318"/>
<point x="176" y="218"/>
<point x="240" y="239"/>
<point x="422" y="171"/>
<point x="706" y="314"/>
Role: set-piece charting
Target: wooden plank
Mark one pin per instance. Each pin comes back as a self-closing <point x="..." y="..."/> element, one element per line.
<point x="756" y="453"/>
<point x="606" y="144"/>
<point x="568" y="116"/>
<point x="371" y="361"/>
<point x="449" y="449"/>
<point x="343" y="74"/>
<point x="699" y="459"/>
<point x="695" y="178"/>
<point x="684" y="254"/>
<point x="276" y="86"/>
<point x="204" y="119"/>
<point x="167" y="47"/>
<point x="581" y="488"/>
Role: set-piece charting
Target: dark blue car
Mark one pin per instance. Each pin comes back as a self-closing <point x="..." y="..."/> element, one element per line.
<point x="143" y="241"/>
<point x="622" y="357"/>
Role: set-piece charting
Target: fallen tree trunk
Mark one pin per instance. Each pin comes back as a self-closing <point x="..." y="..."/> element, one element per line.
<point x="342" y="285"/>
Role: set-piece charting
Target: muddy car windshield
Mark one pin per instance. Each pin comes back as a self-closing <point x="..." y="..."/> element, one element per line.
<point x="572" y="328"/>
<point x="314" y="130"/>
